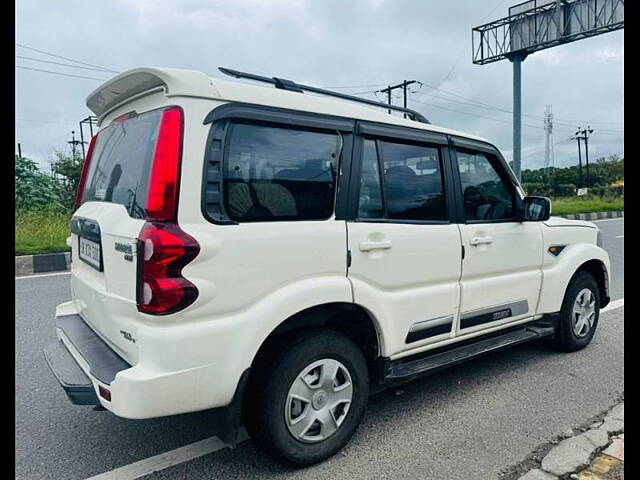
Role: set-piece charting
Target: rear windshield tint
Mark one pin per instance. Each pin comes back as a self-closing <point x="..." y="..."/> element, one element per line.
<point x="119" y="169"/>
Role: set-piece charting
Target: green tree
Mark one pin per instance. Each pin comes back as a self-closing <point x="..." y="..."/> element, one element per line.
<point x="35" y="190"/>
<point x="69" y="169"/>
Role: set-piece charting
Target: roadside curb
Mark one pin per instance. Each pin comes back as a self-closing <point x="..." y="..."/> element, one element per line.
<point x="592" y="453"/>
<point x="594" y="216"/>
<point x="48" y="262"/>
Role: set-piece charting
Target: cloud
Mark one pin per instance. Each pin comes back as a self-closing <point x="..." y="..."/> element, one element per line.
<point x="325" y="43"/>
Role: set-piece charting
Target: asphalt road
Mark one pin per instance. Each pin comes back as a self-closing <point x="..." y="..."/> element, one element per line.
<point x="470" y="421"/>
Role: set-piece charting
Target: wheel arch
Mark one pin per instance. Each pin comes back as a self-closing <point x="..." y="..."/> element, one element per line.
<point x="350" y="319"/>
<point x="598" y="269"/>
<point x="557" y="274"/>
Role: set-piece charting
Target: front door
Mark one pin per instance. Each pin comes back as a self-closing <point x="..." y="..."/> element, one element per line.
<point x="405" y="253"/>
<point x="501" y="270"/>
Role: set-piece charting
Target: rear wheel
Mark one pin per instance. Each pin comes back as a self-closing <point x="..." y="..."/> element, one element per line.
<point x="579" y="314"/>
<point x="309" y="398"/>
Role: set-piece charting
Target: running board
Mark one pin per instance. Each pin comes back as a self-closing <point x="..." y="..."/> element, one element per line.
<point x="406" y="367"/>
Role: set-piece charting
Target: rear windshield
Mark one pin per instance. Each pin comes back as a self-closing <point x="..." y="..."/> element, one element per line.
<point x="119" y="169"/>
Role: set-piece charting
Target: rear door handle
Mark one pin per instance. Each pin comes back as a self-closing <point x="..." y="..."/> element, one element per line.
<point x="475" y="241"/>
<point x="369" y="245"/>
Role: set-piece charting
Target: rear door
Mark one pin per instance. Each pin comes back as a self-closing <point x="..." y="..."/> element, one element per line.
<point x="501" y="270"/>
<point x="405" y="250"/>
<point x="106" y="225"/>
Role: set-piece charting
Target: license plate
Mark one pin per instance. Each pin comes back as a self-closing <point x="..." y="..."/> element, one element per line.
<point x="89" y="252"/>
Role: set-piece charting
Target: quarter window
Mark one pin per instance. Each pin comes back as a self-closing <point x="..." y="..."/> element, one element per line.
<point x="370" y="202"/>
<point x="275" y="174"/>
<point x="487" y="195"/>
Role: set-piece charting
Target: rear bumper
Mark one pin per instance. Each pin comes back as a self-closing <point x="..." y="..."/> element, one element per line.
<point x="95" y="360"/>
<point x="165" y="380"/>
<point x="82" y="362"/>
<point x="72" y="379"/>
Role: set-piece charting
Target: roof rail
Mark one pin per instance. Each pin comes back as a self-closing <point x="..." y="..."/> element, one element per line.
<point x="296" y="87"/>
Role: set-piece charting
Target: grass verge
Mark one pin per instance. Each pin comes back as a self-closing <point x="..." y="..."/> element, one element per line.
<point x="573" y="205"/>
<point x="41" y="232"/>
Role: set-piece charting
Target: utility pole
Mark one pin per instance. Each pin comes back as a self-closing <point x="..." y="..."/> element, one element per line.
<point x="584" y="135"/>
<point x="90" y="120"/>
<point x="576" y="137"/>
<point x="19" y="151"/>
<point x="402" y="85"/>
<point x="74" y="143"/>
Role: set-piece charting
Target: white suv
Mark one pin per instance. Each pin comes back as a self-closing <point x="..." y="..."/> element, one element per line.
<point x="280" y="253"/>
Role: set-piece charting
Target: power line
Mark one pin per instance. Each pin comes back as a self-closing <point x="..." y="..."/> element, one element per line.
<point x="65" y="58"/>
<point x="355" y="86"/>
<point x="465" y="47"/>
<point x="60" y="73"/>
<point x="43" y="121"/>
<point x="59" y="63"/>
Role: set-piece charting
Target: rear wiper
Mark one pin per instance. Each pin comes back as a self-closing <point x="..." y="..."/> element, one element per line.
<point x="132" y="206"/>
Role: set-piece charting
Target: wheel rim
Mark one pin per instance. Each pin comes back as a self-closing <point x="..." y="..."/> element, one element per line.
<point x="318" y="400"/>
<point x="584" y="312"/>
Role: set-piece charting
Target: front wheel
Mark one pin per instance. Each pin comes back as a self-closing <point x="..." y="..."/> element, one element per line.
<point x="579" y="314"/>
<point x="310" y="398"/>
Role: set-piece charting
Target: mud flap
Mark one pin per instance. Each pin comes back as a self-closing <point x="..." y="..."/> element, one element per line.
<point x="231" y="415"/>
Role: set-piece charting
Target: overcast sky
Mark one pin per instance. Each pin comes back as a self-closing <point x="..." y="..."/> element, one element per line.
<point x="364" y="44"/>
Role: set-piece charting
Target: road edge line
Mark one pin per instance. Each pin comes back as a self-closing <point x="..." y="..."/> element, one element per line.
<point x="167" y="459"/>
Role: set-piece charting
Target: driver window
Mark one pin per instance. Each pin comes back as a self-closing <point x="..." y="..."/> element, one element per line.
<point x="487" y="196"/>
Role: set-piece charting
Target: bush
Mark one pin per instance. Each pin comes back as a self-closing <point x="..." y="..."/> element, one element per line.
<point x="35" y="190"/>
<point x="560" y="190"/>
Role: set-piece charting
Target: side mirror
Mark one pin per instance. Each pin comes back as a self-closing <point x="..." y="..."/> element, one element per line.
<point x="535" y="209"/>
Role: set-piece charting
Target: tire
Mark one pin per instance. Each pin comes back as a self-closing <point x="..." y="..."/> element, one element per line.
<point x="570" y="336"/>
<point x="273" y="410"/>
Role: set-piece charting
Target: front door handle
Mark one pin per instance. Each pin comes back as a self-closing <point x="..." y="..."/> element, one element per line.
<point x="368" y="245"/>
<point x="475" y="241"/>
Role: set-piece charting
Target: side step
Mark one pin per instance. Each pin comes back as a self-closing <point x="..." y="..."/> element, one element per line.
<point x="406" y="367"/>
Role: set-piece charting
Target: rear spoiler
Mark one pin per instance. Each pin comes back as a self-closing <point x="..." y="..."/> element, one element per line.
<point x="143" y="81"/>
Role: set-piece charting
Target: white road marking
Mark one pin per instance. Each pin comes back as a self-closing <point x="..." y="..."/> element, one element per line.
<point x="613" y="305"/>
<point x="606" y="220"/>
<point x="168" y="459"/>
<point x="43" y="275"/>
<point x="620" y="236"/>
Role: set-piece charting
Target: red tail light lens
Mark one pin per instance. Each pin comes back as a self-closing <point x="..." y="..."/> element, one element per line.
<point x="164" y="249"/>
<point x="162" y="197"/>
<point x="85" y="170"/>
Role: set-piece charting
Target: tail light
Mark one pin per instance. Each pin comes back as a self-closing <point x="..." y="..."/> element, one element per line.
<point x="164" y="178"/>
<point x="85" y="170"/>
<point x="164" y="249"/>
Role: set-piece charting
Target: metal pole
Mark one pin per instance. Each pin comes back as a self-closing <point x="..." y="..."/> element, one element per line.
<point x="389" y="96"/>
<point x="579" y="164"/>
<point x="404" y="85"/>
<point x="82" y="140"/>
<point x="19" y="151"/>
<point x="517" y="115"/>
<point x="586" y="154"/>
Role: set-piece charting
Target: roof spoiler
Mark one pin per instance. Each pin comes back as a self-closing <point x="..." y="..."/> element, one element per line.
<point x="143" y="81"/>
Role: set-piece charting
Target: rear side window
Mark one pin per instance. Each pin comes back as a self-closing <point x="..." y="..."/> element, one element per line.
<point x="119" y="168"/>
<point x="276" y="174"/>
<point x="413" y="185"/>
<point x="487" y="194"/>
